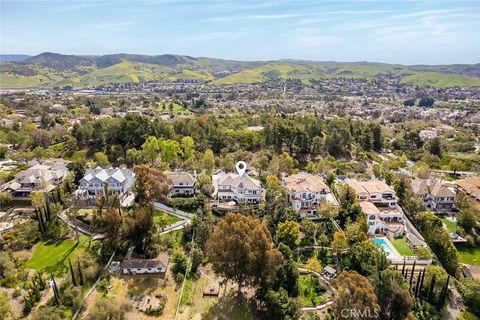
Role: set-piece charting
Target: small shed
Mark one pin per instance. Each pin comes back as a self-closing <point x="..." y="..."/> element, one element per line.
<point x="329" y="272"/>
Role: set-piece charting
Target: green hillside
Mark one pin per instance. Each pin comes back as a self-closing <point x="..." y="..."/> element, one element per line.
<point x="441" y="80"/>
<point x="274" y="71"/>
<point x="52" y="69"/>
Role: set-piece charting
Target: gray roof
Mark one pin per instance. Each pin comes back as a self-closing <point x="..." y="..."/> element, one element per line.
<point x="431" y="186"/>
<point x="178" y="177"/>
<point x="160" y="262"/>
<point x="237" y="181"/>
<point x="119" y="174"/>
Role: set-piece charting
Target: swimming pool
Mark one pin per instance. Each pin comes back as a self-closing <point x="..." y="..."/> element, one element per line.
<point x="386" y="246"/>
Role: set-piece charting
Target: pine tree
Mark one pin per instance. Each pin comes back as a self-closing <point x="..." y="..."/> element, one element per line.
<point x="74" y="281"/>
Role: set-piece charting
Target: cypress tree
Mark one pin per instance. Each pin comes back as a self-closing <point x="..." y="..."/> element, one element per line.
<point x="411" y="276"/>
<point x="59" y="196"/>
<point x="48" y="209"/>
<point x="417" y="284"/>
<point x="47" y="215"/>
<point x="42" y="220"/>
<point x="80" y="274"/>
<point x="55" y="290"/>
<point x="430" y="290"/>
<point x="40" y="225"/>
<point x="421" y="284"/>
<point x="54" y="199"/>
<point x="443" y="295"/>
<point x="74" y="281"/>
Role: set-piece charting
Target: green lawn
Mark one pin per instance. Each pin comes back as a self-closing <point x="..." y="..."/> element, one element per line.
<point x="85" y="212"/>
<point x="163" y="219"/>
<point x="52" y="257"/>
<point x="177" y="109"/>
<point x="469" y="255"/>
<point x="310" y="290"/>
<point x="402" y="247"/>
<point x="451" y="225"/>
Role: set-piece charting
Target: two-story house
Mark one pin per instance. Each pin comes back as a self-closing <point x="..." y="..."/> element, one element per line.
<point x="305" y="191"/>
<point x="42" y="177"/>
<point x="118" y="181"/>
<point x="183" y="183"/>
<point x="435" y="195"/>
<point x="241" y="189"/>
<point x="375" y="191"/>
<point x="383" y="219"/>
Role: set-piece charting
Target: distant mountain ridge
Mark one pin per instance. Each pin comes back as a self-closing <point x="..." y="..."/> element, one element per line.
<point x="50" y="69"/>
<point x="13" y="57"/>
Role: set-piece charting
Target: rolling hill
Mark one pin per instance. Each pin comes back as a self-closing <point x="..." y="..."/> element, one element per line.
<point x="57" y="70"/>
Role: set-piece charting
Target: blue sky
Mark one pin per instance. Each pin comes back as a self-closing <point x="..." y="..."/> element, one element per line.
<point x="407" y="32"/>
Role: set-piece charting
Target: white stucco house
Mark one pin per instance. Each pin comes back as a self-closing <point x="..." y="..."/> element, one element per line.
<point x="375" y="191"/>
<point x="383" y="219"/>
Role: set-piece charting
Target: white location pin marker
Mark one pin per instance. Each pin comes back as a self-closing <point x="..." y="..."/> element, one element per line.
<point x="241" y="167"/>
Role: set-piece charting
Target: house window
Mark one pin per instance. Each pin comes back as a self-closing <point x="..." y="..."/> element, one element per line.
<point x="373" y="196"/>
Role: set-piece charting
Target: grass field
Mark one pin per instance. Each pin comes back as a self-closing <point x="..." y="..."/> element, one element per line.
<point x="451" y="225"/>
<point x="469" y="255"/>
<point x="310" y="291"/>
<point x="53" y="257"/>
<point x="402" y="247"/>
